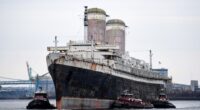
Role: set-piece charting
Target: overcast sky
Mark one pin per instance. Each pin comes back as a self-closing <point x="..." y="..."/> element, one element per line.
<point x="170" y="28"/>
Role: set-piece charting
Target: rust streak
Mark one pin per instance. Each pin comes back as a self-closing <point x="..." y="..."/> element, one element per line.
<point x="59" y="104"/>
<point x="93" y="67"/>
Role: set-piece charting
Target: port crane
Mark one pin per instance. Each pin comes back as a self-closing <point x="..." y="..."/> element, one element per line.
<point x="37" y="79"/>
<point x="32" y="80"/>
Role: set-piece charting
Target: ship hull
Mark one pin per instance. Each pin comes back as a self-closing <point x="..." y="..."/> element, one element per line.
<point x="84" y="88"/>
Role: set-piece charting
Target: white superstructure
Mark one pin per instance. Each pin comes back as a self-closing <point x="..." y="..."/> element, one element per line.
<point x="106" y="59"/>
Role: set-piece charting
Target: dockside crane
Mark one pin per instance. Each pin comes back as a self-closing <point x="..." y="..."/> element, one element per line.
<point x="37" y="79"/>
<point x="29" y="70"/>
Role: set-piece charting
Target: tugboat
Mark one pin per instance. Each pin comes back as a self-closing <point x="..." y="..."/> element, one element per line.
<point x="128" y="101"/>
<point x="162" y="102"/>
<point x="40" y="101"/>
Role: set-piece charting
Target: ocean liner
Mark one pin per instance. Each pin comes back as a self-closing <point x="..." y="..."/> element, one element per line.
<point x="94" y="72"/>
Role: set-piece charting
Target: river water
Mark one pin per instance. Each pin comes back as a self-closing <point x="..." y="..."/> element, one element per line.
<point x="21" y="104"/>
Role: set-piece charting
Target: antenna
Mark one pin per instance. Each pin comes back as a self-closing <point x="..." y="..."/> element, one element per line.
<point x="56" y="42"/>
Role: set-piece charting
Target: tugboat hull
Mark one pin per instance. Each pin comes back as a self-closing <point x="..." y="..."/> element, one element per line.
<point x="118" y="105"/>
<point x="40" y="104"/>
<point x="163" y="104"/>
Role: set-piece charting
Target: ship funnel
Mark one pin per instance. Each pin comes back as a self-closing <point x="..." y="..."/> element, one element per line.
<point x="115" y="33"/>
<point x="96" y="22"/>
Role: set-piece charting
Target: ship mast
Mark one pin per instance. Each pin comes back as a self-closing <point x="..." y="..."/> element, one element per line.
<point x="150" y="56"/>
<point x="92" y="47"/>
<point x="56" y="42"/>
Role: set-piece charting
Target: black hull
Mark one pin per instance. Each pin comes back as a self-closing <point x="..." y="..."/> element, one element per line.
<point x="83" y="83"/>
<point x="40" y="104"/>
<point x="162" y="104"/>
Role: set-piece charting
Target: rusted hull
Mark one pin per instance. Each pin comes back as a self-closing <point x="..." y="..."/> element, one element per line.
<point x="85" y="86"/>
<point x="85" y="103"/>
